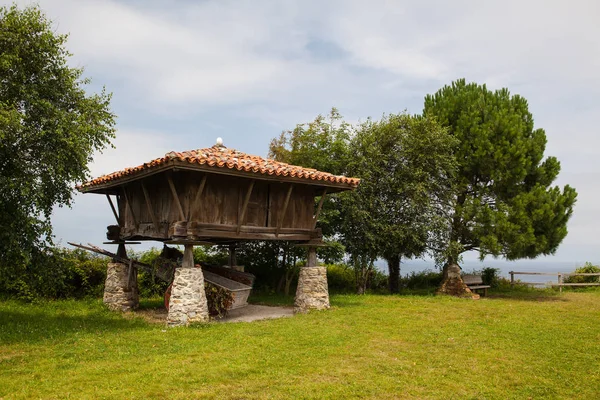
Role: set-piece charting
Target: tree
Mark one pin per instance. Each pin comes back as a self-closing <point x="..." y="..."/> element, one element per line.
<point x="49" y="129"/>
<point x="504" y="204"/>
<point x="406" y="165"/>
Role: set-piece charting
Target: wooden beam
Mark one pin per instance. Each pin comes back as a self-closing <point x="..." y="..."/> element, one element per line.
<point x="112" y="206"/>
<point x="242" y="212"/>
<point x="285" y="205"/>
<point x="176" y="197"/>
<point x="196" y="203"/>
<point x="316" y="217"/>
<point x="128" y="204"/>
<point x="150" y="209"/>
<point x="210" y="235"/>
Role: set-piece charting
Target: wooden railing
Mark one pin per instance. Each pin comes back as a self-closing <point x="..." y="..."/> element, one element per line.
<point x="559" y="275"/>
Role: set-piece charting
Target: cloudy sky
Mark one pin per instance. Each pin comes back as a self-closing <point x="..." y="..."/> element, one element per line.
<point x="185" y="72"/>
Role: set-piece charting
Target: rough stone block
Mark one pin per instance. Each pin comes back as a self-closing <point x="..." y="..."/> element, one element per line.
<point x="117" y="295"/>
<point x="312" y="292"/>
<point x="188" y="299"/>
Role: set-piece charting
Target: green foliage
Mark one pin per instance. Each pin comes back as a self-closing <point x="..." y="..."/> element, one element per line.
<point x="491" y="276"/>
<point x="49" y="130"/>
<point x="413" y="347"/>
<point x="59" y="273"/>
<point x="588" y="268"/>
<point x="148" y="283"/>
<point x="340" y="278"/>
<point x="427" y="279"/>
<point x="218" y="299"/>
<point x="504" y="204"/>
<point x="323" y="145"/>
<point x="406" y="165"/>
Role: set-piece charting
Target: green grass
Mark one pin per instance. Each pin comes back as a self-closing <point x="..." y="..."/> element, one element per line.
<point x="524" y="346"/>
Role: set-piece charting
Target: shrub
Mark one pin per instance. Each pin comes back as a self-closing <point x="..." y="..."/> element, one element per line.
<point x="377" y="280"/>
<point x="218" y="299"/>
<point x="422" y="280"/>
<point x="588" y="268"/>
<point x="340" y="277"/>
<point x="56" y="273"/>
<point x="149" y="285"/>
<point x="490" y="276"/>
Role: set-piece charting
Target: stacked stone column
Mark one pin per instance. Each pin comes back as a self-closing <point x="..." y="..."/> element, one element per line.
<point x="312" y="292"/>
<point x="454" y="285"/>
<point x="188" y="299"/>
<point x="120" y="290"/>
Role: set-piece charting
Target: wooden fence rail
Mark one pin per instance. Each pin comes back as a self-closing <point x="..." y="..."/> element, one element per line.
<point x="559" y="275"/>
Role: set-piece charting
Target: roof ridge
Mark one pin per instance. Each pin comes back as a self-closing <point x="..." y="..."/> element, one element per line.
<point x="219" y="156"/>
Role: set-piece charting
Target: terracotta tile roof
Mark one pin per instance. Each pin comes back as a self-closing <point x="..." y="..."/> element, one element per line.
<point x="222" y="157"/>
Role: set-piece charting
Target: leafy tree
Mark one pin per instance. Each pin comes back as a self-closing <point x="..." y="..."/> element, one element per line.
<point x="504" y="204"/>
<point x="49" y="129"/>
<point x="323" y="145"/>
<point x="406" y="165"/>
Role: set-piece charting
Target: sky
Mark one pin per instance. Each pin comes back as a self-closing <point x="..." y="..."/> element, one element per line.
<point x="183" y="73"/>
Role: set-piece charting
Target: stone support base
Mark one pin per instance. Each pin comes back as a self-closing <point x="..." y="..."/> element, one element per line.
<point x="117" y="296"/>
<point x="454" y="285"/>
<point x="188" y="299"/>
<point x="312" y="292"/>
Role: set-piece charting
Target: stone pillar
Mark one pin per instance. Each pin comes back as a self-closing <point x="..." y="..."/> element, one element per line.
<point x="312" y="292"/>
<point x="188" y="299"/>
<point x="118" y="295"/>
<point x="454" y="285"/>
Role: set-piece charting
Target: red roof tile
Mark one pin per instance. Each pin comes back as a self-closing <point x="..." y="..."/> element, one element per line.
<point x="222" y="157"/>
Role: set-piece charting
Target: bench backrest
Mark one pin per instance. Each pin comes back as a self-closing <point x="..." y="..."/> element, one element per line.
<point x="472" y="279"/>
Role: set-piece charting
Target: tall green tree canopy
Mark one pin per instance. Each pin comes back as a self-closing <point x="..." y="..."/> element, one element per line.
<point x="406" y="165"/>
<point x="504" y="204"/>
<point x="49" y="129"/>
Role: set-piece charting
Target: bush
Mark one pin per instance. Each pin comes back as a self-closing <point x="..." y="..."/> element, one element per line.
<point x="377" y="280"/>
<point x="340" y="277"/>
<point x="422" y="280"/>
<point x="588" y="268"/>
<point x="56" y="273"/>
<point x="490" y="276"/>
<point x="148" y="284"/>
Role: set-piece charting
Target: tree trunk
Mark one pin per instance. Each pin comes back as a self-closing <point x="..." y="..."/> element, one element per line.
<point x="394" y="271"/>
<point x="360" y="273"/>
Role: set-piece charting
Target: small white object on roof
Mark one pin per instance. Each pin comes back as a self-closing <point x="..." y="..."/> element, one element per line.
<point x="219" y="142"/>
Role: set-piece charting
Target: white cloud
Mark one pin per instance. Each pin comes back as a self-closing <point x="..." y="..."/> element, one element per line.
<point x="252" y="60"/>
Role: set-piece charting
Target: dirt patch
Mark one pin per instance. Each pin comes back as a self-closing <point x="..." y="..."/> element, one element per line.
<point x="249" y="313"/>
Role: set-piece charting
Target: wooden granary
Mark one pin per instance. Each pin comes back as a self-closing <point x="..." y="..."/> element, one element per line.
<point x="216" y="195"/>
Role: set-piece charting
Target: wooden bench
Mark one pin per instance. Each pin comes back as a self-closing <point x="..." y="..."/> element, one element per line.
<point x="474" y="282"/>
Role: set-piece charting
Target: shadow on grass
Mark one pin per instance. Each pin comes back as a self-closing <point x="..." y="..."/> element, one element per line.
<point x="527" y="296"/>
<point x="35" y="323"/>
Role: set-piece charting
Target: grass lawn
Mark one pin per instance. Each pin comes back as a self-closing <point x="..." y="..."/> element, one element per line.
<point x="511" y="346"/>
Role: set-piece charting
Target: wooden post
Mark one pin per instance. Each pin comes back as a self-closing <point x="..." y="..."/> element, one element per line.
<point x="128" y="204"/>
<point x="244" y="207"/>
<point x="112" y="206"/>
<point x="316" y="216"/>
<point x="512" y="278"/>
<point x="560" y="282"/>
<point x="284" y="210"/>
<point x="232" y="259"/>
<point x="176" y="197"/>
<point x="121" y="252"/>
<point x="150" y="209"/>
<point x="188" y="256"/>
<point x="311" y="261"/>
<point x="196" y="203"/>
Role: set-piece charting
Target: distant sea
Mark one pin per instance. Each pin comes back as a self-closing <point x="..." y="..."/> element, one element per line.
<point x="544" y="265"/>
